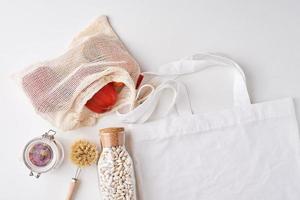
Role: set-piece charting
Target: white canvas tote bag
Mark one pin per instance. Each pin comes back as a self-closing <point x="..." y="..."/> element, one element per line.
<point x="250" y="151"/>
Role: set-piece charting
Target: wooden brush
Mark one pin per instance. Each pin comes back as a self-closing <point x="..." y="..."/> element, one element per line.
<point x="83" y="154"/>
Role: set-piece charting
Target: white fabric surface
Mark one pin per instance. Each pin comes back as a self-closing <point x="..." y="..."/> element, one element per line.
<point x="250" y="151"/>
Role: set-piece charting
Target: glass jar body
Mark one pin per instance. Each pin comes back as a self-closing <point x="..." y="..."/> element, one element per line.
<point x="116" y="174"/>
<point x="43" y="154"/>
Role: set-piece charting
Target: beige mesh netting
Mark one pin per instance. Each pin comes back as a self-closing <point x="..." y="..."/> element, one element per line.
<point x="59" y="88"/>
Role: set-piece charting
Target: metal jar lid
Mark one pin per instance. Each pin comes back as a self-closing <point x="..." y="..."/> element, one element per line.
<point x="43" y="154"/>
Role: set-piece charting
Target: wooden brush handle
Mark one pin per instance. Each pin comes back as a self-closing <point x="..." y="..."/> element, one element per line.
<point x="72" y="188"/>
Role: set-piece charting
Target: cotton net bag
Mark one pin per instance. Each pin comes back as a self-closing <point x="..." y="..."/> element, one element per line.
<point x="59" y="88"/>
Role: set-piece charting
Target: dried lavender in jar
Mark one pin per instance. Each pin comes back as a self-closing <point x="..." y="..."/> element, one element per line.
<point x="115" y="167"/>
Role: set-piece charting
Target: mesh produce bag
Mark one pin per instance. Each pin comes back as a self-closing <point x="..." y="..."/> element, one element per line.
<point x="59" y="89"/>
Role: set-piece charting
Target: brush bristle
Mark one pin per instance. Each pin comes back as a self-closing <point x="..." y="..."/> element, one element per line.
<point x="84" y="153"/>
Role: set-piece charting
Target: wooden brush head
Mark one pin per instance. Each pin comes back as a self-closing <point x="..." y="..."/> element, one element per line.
<point x="84" y="153"/>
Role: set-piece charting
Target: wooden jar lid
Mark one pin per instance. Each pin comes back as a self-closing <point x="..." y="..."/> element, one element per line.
<point x="111" y="137"/>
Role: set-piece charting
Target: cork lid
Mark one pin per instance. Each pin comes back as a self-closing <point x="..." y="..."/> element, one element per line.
<point x="110" y="137"/>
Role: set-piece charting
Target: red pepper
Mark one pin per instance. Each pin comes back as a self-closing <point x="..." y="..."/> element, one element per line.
<point x="139" y="81"/>
<point x="103" y="100"/>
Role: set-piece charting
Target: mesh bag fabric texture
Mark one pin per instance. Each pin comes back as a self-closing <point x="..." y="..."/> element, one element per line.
<point x="59" y="88"/>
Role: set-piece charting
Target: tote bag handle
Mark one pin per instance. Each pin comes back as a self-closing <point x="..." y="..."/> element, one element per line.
<point x="200" y="62"/>
<point x="173" y="70"/>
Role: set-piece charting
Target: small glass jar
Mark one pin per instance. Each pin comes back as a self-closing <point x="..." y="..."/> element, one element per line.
<point x="43" y="154"/>
<point x="115" y="167"/>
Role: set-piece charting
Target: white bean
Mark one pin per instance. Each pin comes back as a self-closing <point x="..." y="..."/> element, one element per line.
<point x="116" y="174"/>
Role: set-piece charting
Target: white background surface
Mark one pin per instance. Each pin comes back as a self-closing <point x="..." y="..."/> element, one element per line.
<point x="263" y="36"/>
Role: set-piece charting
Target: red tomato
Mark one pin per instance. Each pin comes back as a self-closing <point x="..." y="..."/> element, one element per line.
<point x="103" y="100"/>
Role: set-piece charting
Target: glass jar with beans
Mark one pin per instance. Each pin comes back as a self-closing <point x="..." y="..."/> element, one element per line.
<point x="115" y="167"/>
